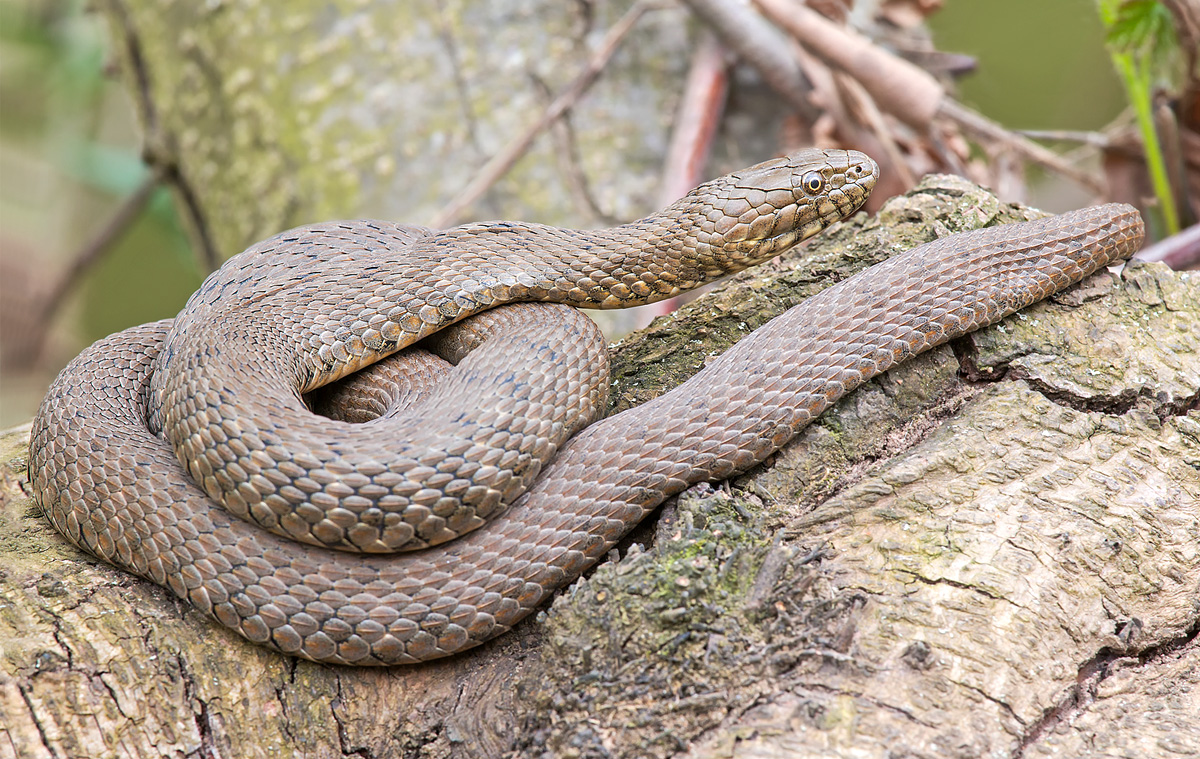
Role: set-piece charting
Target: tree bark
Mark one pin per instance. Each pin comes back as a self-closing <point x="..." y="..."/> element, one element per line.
<point x="990" y="551"/>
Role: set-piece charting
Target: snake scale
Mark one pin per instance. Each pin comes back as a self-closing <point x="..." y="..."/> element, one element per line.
<point x="184" y="451"/>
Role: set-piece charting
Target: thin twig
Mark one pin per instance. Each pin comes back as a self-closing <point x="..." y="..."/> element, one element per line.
<point x="570" y="165"/>
<point x="443" y="24"/>
<point x="502" y="162"/>
<point x="86" y="258"/>
<point x="983" y="127"/>
<point x="1093" y="139"/>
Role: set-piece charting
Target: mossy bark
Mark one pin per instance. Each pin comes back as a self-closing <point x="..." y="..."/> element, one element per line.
<point x="265" y="116"/>
<point x="990" y="551"/>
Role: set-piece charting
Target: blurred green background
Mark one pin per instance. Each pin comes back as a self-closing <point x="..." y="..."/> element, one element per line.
<point x="1042" y="63"/>
<point x="70" y="154"/>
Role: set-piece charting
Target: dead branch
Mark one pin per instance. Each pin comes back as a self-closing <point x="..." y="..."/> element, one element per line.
<point x="901" y="88"/>
<point x="502" y="162"/>
<point x="761" y="45"/>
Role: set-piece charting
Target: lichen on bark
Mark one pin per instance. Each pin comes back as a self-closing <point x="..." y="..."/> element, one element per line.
<point x="267" y="115"/>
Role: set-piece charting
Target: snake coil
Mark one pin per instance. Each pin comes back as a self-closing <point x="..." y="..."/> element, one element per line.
<point x="183" y="451"/>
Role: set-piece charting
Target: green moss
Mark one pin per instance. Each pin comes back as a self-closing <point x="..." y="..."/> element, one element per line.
<point x="704" y="560"/>
<point x="651" y="621"/>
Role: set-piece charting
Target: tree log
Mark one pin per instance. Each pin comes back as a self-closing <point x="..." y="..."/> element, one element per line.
<point x="991" y="551"/>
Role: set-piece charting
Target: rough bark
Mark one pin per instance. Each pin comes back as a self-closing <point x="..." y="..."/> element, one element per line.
<point x="991" y="551"/>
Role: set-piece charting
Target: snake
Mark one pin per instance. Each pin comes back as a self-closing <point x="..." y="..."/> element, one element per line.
<point x="188" y="451"/>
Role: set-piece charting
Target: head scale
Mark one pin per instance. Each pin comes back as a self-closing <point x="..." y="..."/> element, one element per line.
<point x="759" y="212"/>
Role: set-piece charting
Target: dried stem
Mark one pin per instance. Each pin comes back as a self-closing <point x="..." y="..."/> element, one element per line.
<point x="95" y="249"/>
<point x="761" y="45"/>
<point x="984" y="128"/>
<point x="502" y="162"/>
<point x="901" y="88"/>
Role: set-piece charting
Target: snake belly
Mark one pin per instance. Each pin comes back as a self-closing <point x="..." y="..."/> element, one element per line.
<point x="118" y="490"/>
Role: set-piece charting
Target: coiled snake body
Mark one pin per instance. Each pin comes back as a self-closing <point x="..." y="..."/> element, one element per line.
<point x="218" y="392"/>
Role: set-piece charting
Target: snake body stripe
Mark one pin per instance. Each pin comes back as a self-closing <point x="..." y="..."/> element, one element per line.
<point x="116" y="489"/>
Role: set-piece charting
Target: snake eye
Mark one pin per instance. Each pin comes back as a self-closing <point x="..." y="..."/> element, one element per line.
<point x="813" y="182"/>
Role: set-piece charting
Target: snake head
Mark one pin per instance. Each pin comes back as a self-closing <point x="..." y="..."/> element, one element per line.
<point x="756" y="213"/>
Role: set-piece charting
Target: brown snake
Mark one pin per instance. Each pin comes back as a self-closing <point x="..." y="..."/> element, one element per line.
<point x="223" y="383"/>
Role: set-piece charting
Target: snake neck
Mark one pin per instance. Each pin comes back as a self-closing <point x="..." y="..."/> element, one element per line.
<point x="729" y="224"/>
<point x="335" y="297"/>
<point x="688" y="244"/>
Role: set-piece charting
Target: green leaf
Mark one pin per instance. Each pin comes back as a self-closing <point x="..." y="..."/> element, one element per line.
<point x="1144" y="29"/>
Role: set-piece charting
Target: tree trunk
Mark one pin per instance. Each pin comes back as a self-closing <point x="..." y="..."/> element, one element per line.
<point x="990" y="551"/>
<point x="263" y="117"/>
